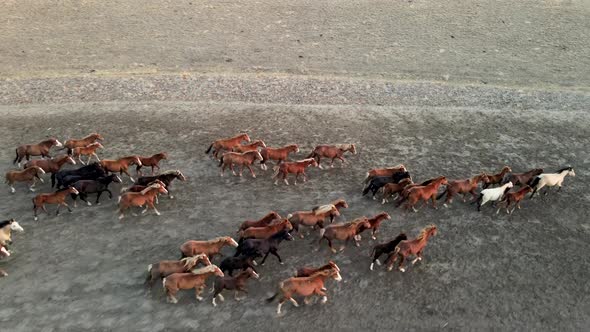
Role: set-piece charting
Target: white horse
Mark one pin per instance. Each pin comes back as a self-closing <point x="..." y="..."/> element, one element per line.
<point x="492" y="194"/>
<point x="551" y="179"/>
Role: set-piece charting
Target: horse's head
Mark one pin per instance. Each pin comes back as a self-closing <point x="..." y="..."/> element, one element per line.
<point x="335" y="274"/>
<point x="483" y="177"/>
<point x="402" y="237"/>
<point x="311" y="162"/>
<point x="55" y="142"/>
<point x="72" y="190"/>
<point x="15" y="226"/>
<point x="340" y="203"/>
<point x="162" y="155"/>
<point x="230" y="242"/>
<point x="260" y="143"/>
<point x="352" y="148"/>
<point x="509" y="184"/>
<point x="179" y="175"/>
<point x="203" y="258"/>
<point x="96" y="145"/>
<point x="162" y="189"/>
<point x="334" y="266"/>
<point x="384" y="215"/>
<point x="97" y="136"/>
<point x="442" y="180"/>
<point x="432" y="230"/>
<point x="217" y="271"/>
<point x="245" y="137"/>
<point x="287" y="224"/>
<point x="506" y="169"/>
<point x="569" y="171"/>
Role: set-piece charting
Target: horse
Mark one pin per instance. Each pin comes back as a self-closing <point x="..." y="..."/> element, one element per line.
<point x="411" y="247"/>
<point x="31" y="175"/>
<point x="331" y="152"/>
<point x="343" y="232"/>
<point x="514" y="197"/>
<point x="89" y="151"/>
<point x="385" y="248"/>
<point x="227" y="144"/>
<point x="389" y="171"/>
<point x="266" y="231"/>
<point x="153" y="162"/>
<point x="97" y="187"/>
<point x="93" y="171"/>
<point x="496" y="178"/>
<point x="144" y="197"/>
<point x="305" y="286"/>
<point x="315" y="217"/>
<point x="6" y="228"/>
<point x="229" y="264"/>
<point x="249" y="147"/>
<point x="297" y="167"/>
<point x="121" y="165"/>
<point x="165" y="177"/>
<point x="462" y="187"/>
<point x="264" y="221"/>
<point x="520" y="179"/>
<point x="492" y="194"/>
<point x="245" y="159"/>
<point x="263" y="247"/>
<point x="374" y="224"/>
<point x="58" y="197"/>
<point x="378" y="182"/>
<point x="210" y="248"/>
<point x="40" y="149"/>
<point x="308" y="271"/>
<point x="551" y="180"/>
<point x="425" y="193"/>
<point x="194" y="279"/>
<point x="394" y="188"/>
<point x="338" y="204"/>
<point x="71" y="144"/>
<point x="279" y="154"/>
<point x="51" y="165"/>
<point x="237" y="284"/>
<point x="163" y="269"/>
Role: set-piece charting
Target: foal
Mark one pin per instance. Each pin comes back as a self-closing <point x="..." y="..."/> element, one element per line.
<point x="497" y="178"/>
<point x="237" y="284"/>
<point x="51" y="165"/>
<point x="144" y="197"/>
<point x="385" y="248"/>
<point x="121" y="165"/>
<point x="163" y="269"/>
<point x="245" y="159"/>
<point x="249" y="147"/>
<point x="89" y="151"/>
<point x="264" y="221"/>
<point x="424" y="193"/>
<point x="31" y="175"/>
<point x="343" y="232"/>
<point x="297" y="167"/>
<point x="153" y="162"/>
<point x="210" y="247"/>
<point x="514" y="197"/>
<point x="551" y="179"/>
<point x="71" y="144"/>
<point x="331" y="152"/>
<point x="411" y="247"/>
<point x="58" y="197"/>
<point x="194" y="279"/>
<point x="375" y="223"/>
<point x="278" y="154"/>
<point x="39" y="149"/>
<point x="227" y="144"/>
<point x="462" y="187"/>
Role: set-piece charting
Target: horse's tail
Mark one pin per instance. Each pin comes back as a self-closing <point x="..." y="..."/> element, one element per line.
<point x="366" y="189"/>
<point x="367" y="178"/>
<point x="272" y="298"/>
<point x="535" y="182"/>
<point x="15" y="159"/>
<point x="442" y="194"/>
<point x="209" y="149"/>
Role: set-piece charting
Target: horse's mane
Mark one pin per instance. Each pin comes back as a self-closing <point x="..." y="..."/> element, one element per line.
<point x="150" y="187"/>
<point x="5" y="223"/>
<point x="62" y="189"/>
<point x="171" y="172"/>
<point x="50" y="139"/>
<point x="218" y="239"/>
<point x="569" y="168"/>
<point x="190" y="262"/>
<point x="424" y="231"/>
<point x="206" y="269"/>
<point x="338" y="202"/>
<point x="343" y="146"/>
<point x="305" y="160"/>
<point x="323" y="209"/>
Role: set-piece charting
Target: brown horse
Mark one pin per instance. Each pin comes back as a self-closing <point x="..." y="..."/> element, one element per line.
<point x="266" y="231"/>
<point x="521" y="179"/>
<point x="194" y="279"/>
<point x="496" y="178"/>
<point x="278" y="154"/>
<point x="514" y="198"/>
<point x="246" y="159"/>
<point x="71" y="144"/>
<point x="305" y="286"/>
<point x="88" y="150"/>
<point x="210" y="247"/>
<point x="51" y="165"/>
<point x="165" y="268"/>
<point x="424" y="193"/>
<point x="331" y="152"/>
<point x="463" y="187"/>
<point x="153" y="162"/>
<point x="394" y="188"/>
<point x="411" y="247"/>
<point x="144" y="197"/>
<point x="375" y="222"/>
<point x="227" y="144"/>
<point x="338" y="204"/>
<point x="40" y="149"/>
<point x="249" y="147"/>
<point x="307" y="271"/>
<point x="297" y="167"/>
<point x="138" y="188"/>
<point x="264" y="221"/>
<point x="344" y="232"/>
<point x="30" y="175"/>
<point x="58" y="197"/>
<point x="313" y="218"/>
<point x="389" y="171"/>
<point x="121" y="165"/>
<point x="237" y="284"/>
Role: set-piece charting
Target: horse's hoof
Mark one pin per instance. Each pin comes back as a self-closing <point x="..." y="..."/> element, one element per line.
<point x="371" y="267"/>
<point x="36" y="218"/>
<point x="378" y="262"/>
<point x="445" y="205"/>
<point x="401" y="269"/>
<point x="281" y="263"/>
<point x="89" y="204"/>
<point x="254" y="176"/>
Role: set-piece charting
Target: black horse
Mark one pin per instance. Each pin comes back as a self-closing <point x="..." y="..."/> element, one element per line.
<point x="262" y="247"/>
<point x="66" y="178"/>
<point x="378" y="182"/>
<point x="165" y="177"/>
<point x="97" y="186"/>
<point x="386" y="248"/>
<point x="230" y="264"/>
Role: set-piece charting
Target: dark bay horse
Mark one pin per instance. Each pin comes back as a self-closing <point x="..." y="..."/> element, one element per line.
<point x="165" y="177"/>
<point x="97" y="187"/>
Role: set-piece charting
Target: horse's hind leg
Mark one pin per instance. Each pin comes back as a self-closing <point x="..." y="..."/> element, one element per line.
<point x="123" y="170"/>
<point x="251" y="171"/>
<point x="402" y="258"/>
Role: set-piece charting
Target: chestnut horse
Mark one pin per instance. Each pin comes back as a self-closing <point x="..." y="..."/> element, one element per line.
<point x="404" y="193"/>
<point x="227" y="144"/>
<point x="246" y="159"/>
<point x="210" y="247"/>
<point x="30" y="174"/>
<point x="315" y="217"/>
<point x="39" y="149"/>
<point x="144" y="197"/>
<point x="71" y="144"/>
<point x="331" y="152"/>
<point x="264" y="221"/>
<point x="389" y="171"/>
<point x="120" y="165"/>
<point x="278" y="154"/>
<point x="305" y="286"/>
<point x="266" y="231"/>
<point x="344" y="232"/>
<point x="249" y="147"/>
<point x="463" y="187"/>
<point x="237" y="284"/>
<point x="297" y="167"/>
<point x="514" y="197"/>
<point x="89" y="151"/>
<point x="51" y="165"/>
<point x="163" y="269"/>
<point x="58" y="197"/>
<point x="496" y="178"/>
<point x="194" y="279"/>
<point x="520" y="179"/>
<point x="375" y="222"/>
<point x="424" y="193"/>
<point x="153" y="162"/>
<point x="338" y="204"/>
<point x="394" y="188"/>
<point x="307" y="271"/>
<point x="411" y="247"/>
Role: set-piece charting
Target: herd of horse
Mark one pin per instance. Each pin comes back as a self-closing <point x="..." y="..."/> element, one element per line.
<point x="262" y="237"/>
